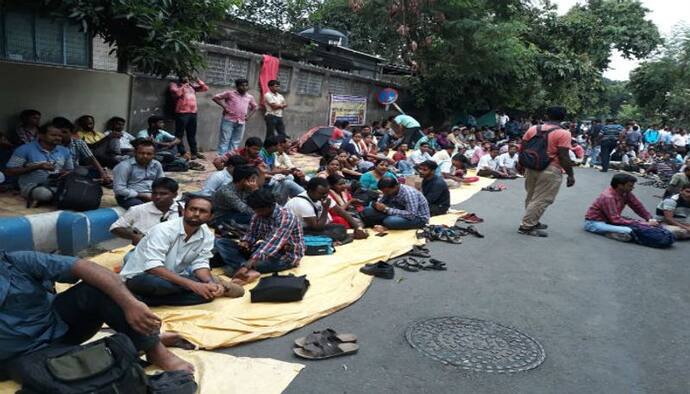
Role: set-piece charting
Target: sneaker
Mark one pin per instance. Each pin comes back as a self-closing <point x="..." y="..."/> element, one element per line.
<point x="533" y="231"/>
<point x="622" y="237"/>
<point x="379" y="270"/>
<point x="541" y="226"/>
<point x="471" y="218"/>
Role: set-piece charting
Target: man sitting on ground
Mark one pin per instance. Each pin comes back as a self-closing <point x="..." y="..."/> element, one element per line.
<point x="167" y="146"/>
<point x="673" y="213"/>
<point x="250" y="152"/>
<point x="434" y="188"/>
<point x="273" y="243"/>
<point x="604" y="215"/>
<point x="222" y="177"/>
<point x="80" y="151"/>
<point x="138" y="220"/>
<point x="311" y="207"/>
<point x="132" y="178"/>
<point x="507" y="162"/>
<point x="230" y="201"/>
<point x="39" y="164"/>
<point x="27" y="130"/>
<point x="35" y="318"/>
<point x="420" y="155"/>
<point x="488" y="166"/>
<point x="401" y="207"/>
<point x="170" y="266"/>
<point x="678" y="182"/>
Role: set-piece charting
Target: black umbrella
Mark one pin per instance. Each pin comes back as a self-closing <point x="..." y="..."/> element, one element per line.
<point x="317" y="141"/>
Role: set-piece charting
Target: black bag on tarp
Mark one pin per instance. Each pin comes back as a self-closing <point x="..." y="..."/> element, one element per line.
<point x="280" y="288"/>
<point x="109" y="365"/>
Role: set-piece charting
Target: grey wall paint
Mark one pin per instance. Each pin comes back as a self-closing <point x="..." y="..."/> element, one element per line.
<point x="59" y="91"/>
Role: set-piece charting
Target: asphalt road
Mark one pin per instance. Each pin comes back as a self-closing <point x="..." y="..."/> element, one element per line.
<point x="612" y="317"/>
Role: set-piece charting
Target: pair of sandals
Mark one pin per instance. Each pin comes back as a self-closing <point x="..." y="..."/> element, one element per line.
<point x="469" y="230"/>
<point x="440" y="233"/>
<point x="320" y="345"/>
<point x="470" y="218"/>
<point x="410" y="264"/>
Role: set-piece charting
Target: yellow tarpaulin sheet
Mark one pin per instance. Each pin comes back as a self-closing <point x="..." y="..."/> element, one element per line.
<point x="218" y="373"/>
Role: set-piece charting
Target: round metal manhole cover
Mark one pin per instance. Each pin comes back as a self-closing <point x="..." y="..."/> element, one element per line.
<point x="475" y="345"/>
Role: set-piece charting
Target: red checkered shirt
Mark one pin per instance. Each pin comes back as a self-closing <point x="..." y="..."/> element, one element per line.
<point x="610" y="204"/>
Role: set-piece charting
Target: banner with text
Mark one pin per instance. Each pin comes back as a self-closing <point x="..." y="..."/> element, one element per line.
<point x="350" y="108"/>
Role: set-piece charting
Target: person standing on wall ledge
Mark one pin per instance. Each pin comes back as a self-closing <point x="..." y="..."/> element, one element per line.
<point x="184" y="94"/>
<point x="238" y="106"/>
<point x="275" y="104"/>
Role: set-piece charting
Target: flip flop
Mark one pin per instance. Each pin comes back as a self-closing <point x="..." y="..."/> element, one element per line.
<point x="419" y="251"/>
<point x="324" y="349"/>
<point x="329" y="333"/>
<point x="404" y="265"/>
<point x="436" y="265"/>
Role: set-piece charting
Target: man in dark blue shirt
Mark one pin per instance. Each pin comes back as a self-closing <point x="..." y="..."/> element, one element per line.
<point x="33" y="317"/>
<point x="434" y="188"/>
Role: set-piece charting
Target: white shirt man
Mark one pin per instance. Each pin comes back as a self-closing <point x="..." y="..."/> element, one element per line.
<point x="443" y="159"/>
<point x="418" y="156"/>
<point x="507" y="161"/>
<point x="679" y="140"/>
<point x="487" y="162"/>
<point x="303" y="207"/>
<point x="276" y="99"/>
<point x="165" y="246"/>
<point x="144" y="217"/>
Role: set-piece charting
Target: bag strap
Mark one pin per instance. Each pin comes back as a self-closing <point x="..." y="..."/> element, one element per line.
<point x="316" y="210"/>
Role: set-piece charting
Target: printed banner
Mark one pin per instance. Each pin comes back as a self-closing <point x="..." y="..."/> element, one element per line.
<point x="350" y="108"/>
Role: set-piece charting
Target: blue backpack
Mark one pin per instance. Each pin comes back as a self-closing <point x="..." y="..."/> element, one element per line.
<point x="317" y="245"/>
<point x="654" y="237"/>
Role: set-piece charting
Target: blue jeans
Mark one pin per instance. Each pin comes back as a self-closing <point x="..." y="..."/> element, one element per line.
<point x="405" y="167"/>
<point x="604" y="228"/>
<point x="233" y="258"/>
<point x="595" y="155"/>
<point x="373" y="217"/>
<point x="231" y="134"/>
<point x="154" y="290"/>
<point x="285" y="190"/>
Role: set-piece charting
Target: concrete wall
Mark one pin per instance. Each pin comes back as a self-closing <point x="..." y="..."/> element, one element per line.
<point x="59" y="91"/>
<point x="150" y="97"/>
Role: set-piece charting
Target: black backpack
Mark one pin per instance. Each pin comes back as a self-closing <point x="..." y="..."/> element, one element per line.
<point x="109" y="365"/>
<point x="78" y="193"/>
<point x="534" y="154"/>
<point x="280" y="288"/>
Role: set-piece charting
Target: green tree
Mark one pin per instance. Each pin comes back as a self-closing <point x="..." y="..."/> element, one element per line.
<point x="279" y="14"/>
<point x="155" y="36"/>
<point x="661" y="86"/>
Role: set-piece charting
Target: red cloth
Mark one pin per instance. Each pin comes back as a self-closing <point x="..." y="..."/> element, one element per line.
<point x="269" y="72"/>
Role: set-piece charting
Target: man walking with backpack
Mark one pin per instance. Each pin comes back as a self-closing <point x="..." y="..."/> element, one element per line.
<point x="545" y="157"/>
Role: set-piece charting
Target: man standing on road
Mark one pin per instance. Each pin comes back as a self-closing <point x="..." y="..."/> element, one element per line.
<point x="275" y="104"/>
<point x="542" y="186"/>
<point x="609" y="139"/>
<point x="184" y="94"/>
<point x="238" y="106"/>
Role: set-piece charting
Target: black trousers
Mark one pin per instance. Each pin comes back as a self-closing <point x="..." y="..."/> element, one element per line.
<point x="607" y="146"/>
<point x="436" y="210"/>
<point x="84" y="309"/>
<point x="274" y="124"/>
<point x="155" y="291"/>
<point x="186" y="122"/>
<point x="412" y="135"/>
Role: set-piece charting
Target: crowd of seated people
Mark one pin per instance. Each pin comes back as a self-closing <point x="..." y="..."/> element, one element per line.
<point x="33" y="160"/>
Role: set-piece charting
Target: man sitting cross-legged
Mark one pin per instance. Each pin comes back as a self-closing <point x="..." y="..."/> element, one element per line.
<point x="401" y="207"/>
<point x="274" y="241"/>
<point x="604" y="215"/>
<point x="139" y="219"/>
<point x="231" y="201"/>
<point x="170" y="265"/>
<point x="673" y="213"/>
<point x="312" y="206"/>
<point x="434" y="188"/>
<point x="132" y="178"/>
<point x="488" y="166"/>
<point x="34" y="318"/>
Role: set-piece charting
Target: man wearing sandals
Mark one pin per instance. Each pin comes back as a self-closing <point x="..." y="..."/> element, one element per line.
<point x="542" y="186"/>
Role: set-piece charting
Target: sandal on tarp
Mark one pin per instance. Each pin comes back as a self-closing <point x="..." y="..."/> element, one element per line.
<point x="329" y="334"/>
<point x="323" y="349"/>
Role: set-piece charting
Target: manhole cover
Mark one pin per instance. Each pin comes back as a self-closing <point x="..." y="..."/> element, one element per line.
<point x="475" y="345"/>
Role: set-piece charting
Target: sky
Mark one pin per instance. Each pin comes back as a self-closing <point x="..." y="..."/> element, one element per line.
<point x="664" y="13"/>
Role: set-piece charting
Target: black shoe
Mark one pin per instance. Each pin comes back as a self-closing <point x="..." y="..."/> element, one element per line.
<point x="533" y="231"/>
<point x="541" y="226"/>
<point x="379" y="270"/>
